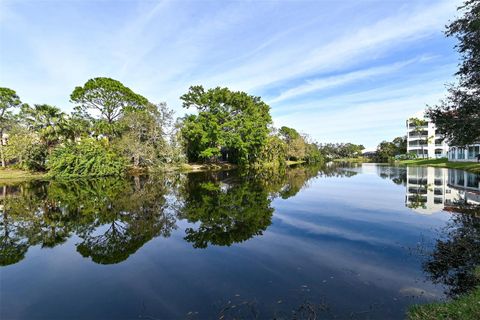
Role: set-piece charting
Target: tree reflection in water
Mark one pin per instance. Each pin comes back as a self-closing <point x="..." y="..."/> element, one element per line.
<point x="228" y="210"/>
<point x="457" y="255"/>
<point x="114" y="218"/>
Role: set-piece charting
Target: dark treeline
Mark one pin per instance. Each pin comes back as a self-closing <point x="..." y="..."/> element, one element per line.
<point x="341" y="150"/>
<point x="113" y="129"/>
<point x="389" y="150"/>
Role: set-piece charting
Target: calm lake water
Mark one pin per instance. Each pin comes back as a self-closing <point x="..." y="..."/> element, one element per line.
<point x="349" y="242"/>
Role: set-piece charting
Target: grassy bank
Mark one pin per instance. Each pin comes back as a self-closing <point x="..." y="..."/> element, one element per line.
<point x="15" y="175"/>
<point x="466" y="307"/>
<point x="443" y="163"/>
<point x="196" y="167"/>
<point x="291" y="163"/>
<point x="359" y="159"/>
<point x="10" y="175"/>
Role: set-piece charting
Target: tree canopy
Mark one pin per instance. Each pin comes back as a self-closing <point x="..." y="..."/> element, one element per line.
<point x="457" y="117"/>
<point x="109" y="98"/>
<point x="341" y="150"/>
<point x="8" y="101"/>
<point x="114" y="130"/>
<point x="387" y="150"/>
<point x="48" y="121"/>
<point x="229" y="123"/>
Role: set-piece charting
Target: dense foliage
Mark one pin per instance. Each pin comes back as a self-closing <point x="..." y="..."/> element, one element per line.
<point x="341" y="150"/>
<point x="108" y="97"/>
<point x="457" y="117"/>
<point x="9" y="100"/>
<point x="112" y="218"/>
<point x="388" y="150"/>
<point x="114" y="129"/>
<point x="89" y="157"/>
<point x="231" y="126"/>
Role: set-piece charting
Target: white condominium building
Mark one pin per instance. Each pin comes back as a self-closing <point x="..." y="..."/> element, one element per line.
<point x="467" y="153"/>
<point x="424" y="141"/>
<point x="431" y="190"/>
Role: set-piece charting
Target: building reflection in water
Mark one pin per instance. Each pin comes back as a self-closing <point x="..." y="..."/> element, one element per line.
<point x="430" y="190"/>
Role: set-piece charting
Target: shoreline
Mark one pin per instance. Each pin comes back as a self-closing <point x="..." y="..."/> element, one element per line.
<point x="473" y="167"/>
<point x="9" y="175"/>
<point x="16" y="175"/>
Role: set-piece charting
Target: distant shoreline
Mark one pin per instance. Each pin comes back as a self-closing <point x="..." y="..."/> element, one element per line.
<point x="442" y="163"/>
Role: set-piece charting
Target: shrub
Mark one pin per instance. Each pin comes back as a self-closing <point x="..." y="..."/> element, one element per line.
<point x="89" y="157"/>
<point x="407" y="156"/>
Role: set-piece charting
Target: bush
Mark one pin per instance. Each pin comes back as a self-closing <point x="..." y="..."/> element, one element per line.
<point x="24" y="150"/>
<point x="89" y="157"/>
<point x="407" y="156"/>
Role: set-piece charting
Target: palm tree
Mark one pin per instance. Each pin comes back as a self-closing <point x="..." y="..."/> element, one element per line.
<point x="49" y="122"/>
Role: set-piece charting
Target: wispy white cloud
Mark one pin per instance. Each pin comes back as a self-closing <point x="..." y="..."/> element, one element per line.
<point x="334" y="81"/>
<point x="352" y="48"/>
<point x="283" y="51"/>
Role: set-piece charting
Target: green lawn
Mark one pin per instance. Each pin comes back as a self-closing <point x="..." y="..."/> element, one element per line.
<point x="10" y="175"/>
<point x="358" y="159"/>
<point x="466" y="307"/>
<point x="443" y="163"/>
<point x="291" y="162"/>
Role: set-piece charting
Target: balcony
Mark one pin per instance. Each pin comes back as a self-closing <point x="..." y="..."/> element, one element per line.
<point x="419" y="136"/>
<point x="414" y="190"/>
<point x="410" y="127"/>
<point x="417" y="181"/>
<point x="417" y="145"/>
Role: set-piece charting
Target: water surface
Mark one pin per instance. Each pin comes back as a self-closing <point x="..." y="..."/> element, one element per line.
<point x="362" y="241"/>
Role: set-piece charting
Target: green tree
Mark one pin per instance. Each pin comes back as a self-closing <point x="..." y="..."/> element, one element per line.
<point x="108" y="97"/>
<point x="340" y="150"/>
<point x="457" y="117"/>
<point x="401" y="144"/>
<point x="78" y="126"/>
<point x="8" y="101"/>
<point x="274" y="152"/>
<point x="232" y="124"/>
<point x="89" y="157"/>
<point x="25" y="149"/>
<point x="49" y="122"/>
<point x="144" y="136"/>
<point x="385" y="151"/>
<point x="296" y="146"/>
<point x="313" y="154"/>
<point x="420" y="131"/>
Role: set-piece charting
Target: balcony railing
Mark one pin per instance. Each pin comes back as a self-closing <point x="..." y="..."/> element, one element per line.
<point x="410" y="127"/>
<point x="418" y="136"/>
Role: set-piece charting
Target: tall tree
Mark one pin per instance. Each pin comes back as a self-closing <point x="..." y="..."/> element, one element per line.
<point x="49" y="122"/>
<point x="457" y="117"/>
<point x="401" y="143"/>
<point x="296" y="145"/>
<point x="231" y="123"/>
<point x="110" y="99"/>
<point x="419" y="130"/>
<point x="8" y="101"/>
<point x="144" y="136"/>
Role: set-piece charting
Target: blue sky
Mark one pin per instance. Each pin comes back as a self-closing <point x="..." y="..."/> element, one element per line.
<point x="340" y="71"/>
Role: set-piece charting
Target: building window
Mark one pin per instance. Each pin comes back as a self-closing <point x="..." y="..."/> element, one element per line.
<point x="471" y="152"/>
